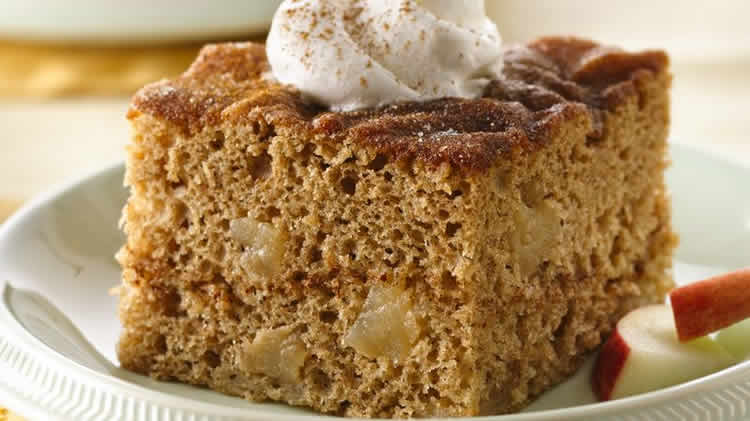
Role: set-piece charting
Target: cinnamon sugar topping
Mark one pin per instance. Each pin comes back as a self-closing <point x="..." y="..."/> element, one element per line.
<point x="543" y="85"/>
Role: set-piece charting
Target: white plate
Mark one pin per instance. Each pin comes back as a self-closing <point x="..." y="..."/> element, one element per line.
<point x="133" y="21"/>
<point x="61" y="247"/>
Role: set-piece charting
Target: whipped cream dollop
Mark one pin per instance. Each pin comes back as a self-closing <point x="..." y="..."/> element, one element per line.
<point x="353" y="54"/>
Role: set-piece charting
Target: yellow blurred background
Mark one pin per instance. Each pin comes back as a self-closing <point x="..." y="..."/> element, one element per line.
<point x="63" y="98"/>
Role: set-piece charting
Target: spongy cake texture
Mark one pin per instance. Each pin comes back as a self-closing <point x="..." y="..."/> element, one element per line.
<point x="456" y="257"/>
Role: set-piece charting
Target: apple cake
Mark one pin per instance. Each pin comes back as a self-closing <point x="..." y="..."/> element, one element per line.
<point x="445" y="258"/>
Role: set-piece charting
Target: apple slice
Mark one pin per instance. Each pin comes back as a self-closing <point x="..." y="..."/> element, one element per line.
<point x="736" y="339"/>
<point x="707" y="306"/>
<point x="644" y="354"/>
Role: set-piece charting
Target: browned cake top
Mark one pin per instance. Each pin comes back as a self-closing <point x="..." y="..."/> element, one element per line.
<point x="544" y="84"/>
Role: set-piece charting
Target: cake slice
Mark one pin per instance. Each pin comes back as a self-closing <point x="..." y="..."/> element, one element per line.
<point x="449" y="258"/>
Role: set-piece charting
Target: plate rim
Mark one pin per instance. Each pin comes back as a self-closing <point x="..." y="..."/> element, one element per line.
<point x="724" y="386"/>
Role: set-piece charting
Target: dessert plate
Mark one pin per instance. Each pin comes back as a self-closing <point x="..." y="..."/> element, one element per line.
<point x="58" y="325"/>
<point x="134" y="21"/>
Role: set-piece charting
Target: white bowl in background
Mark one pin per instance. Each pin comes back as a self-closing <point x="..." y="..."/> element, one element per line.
<point x="689" y="29"/>
<point x="133" y="21"/>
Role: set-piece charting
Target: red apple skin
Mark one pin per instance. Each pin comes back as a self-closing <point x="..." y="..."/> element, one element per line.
<point x="710" y="305"/>
<point x="609" y="365"/>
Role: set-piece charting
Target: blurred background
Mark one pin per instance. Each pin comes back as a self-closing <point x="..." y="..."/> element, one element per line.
<point x="68" y="69"/>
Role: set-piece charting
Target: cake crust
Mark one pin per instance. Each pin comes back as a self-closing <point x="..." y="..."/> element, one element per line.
<point x="544" y="85"/>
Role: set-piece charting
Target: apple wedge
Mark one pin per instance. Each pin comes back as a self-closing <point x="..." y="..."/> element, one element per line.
<point x="710" y="305"/>
<point x="643" y="354"/>
<point x="736" y="339"/>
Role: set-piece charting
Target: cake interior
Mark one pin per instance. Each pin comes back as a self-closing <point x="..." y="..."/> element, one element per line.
<point x="443" y="259"/>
